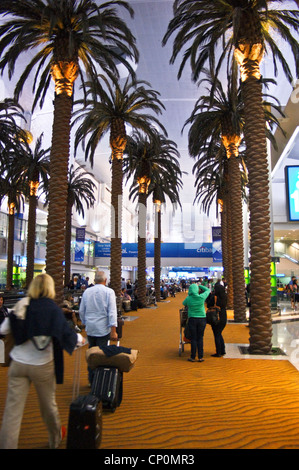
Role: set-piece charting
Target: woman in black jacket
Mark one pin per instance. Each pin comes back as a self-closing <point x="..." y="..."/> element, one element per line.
<point x="41" y="332"/>
<point x="221" y="302"/>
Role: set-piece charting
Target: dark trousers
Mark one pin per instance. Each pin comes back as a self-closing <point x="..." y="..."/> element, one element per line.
<point x="197" y="328"/>
<point x="217" y="330"/>
<point x="96" y="341"/>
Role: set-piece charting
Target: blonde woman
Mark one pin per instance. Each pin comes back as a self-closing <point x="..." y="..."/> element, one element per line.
<point x="41" y="333"/>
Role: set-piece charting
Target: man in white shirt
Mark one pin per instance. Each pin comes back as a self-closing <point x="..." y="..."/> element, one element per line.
<point x="98" y="313"/>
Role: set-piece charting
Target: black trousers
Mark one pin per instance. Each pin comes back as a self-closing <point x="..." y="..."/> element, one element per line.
<point x="217" y="330"/>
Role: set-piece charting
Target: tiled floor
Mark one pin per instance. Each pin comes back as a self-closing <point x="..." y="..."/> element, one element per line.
<point x="285" y="328"/>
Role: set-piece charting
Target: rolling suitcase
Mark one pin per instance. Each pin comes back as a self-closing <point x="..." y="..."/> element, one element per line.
<point x="127" y="305"/>
<point x="107" y="386"/>
<point x="85" y="416"/>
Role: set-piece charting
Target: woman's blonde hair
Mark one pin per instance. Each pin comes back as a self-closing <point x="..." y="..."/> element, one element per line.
<point x="42" y="286"/>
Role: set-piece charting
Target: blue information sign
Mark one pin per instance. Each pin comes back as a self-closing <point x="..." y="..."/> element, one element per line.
<point x="168" y="250"/>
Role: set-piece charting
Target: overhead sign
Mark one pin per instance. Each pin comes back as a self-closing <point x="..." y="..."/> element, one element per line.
<point x="168" y="250"/>
<point x="79" y="247"/>
<point x="217" y="244"/>
<point x="292" y="189"/>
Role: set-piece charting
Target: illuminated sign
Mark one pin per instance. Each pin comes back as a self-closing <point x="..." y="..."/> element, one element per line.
<point x="168" y="250"/>
<point x="292" y="188"/>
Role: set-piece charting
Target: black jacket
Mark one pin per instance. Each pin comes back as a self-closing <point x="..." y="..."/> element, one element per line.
<point x="221" y="295"/>
<point x="44" y="317"/>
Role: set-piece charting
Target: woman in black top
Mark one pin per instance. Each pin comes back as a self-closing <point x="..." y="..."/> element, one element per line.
<point x="220" y="294"/>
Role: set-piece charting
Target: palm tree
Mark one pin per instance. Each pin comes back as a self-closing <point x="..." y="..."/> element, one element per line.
<point x="13" y="190"/>
<point x="80" y="189"/>
<point x="164" y="185"/>
<point x="224" y="119"/>
<point x="112" y="109"/>
<point x="212" y="184"/>
<point x="137" y="165"/>
<point x="33" y="168"/>
<point x="71" y="37"/>
<point x="11" y="135"/>
<point x="243" y="29"/>
<point x="152" y="163"/>
<point x="210" y="122"/>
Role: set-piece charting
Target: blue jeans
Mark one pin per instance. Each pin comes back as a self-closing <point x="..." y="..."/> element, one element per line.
<point x="197" y="328"/>
<point x="96" y="341"/>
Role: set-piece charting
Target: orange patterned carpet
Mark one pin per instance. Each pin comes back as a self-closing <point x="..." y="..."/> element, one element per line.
<point x="170" y="403"/>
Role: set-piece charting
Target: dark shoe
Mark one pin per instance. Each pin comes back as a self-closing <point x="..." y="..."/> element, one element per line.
<point x="190" y="359"/>
<point x="201" y="360"/>
<point x="216" y="355"/>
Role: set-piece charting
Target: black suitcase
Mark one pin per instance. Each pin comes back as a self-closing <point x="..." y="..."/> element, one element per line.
<point x="85" y="416"/>
<point x="107" y="386"/>
<point x="127" y="305"/>
<point x="85" y="423"/>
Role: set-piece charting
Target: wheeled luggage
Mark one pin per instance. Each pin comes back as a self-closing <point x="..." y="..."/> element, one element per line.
<point x="85" y="416"/>
<point x="85" y="423"/>
<point x="107" y="386"/>
<point x="127" y="305"/>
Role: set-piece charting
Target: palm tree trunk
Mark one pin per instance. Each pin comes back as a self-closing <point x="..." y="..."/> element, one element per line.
<point x="237" y="235"/>
<point x="31" y="238"/>
<point x="226" y="255"/>
<point x="230" y="283"/>
<point x="10" y="248"/>
<point x="118" y="142"/>
<point x="68" y="241"/>
<point x="259" y="203"/>
<point x="116" y="222"/>
<point x="157" y="253"/>
<point x="58" y="185"/>
<point x="141" y="289"/>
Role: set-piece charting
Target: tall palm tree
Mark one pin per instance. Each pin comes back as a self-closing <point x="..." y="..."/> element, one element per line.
<point x="71" y="37"/>
<point x="112" y="109"/>
<point x="163" y="186"/>
<point x="80" y="190"/>
<point x="210" y="122"/>
<point x="223" y="118"/>
<point x="243" y="29"/>
<point x="137" y="165"/>
<point x="212" y="185"/>
<point x="33" y="168"/>
<point x="13" y="190"/>
<point x="152" y="163"/>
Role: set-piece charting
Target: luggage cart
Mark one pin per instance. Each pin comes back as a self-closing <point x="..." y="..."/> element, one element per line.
<point x="183" y="322"/>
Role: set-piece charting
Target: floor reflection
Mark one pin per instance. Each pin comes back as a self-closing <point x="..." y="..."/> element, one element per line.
<point x="285" y="328"/>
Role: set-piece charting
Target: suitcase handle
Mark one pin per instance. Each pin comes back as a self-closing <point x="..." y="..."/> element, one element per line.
<point x="117" y="342"/>
<point x="77" y="370"/>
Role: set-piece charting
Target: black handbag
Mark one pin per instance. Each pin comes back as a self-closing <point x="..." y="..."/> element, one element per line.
<point x="213" y="317"/>
<point x="187" y="333"/>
